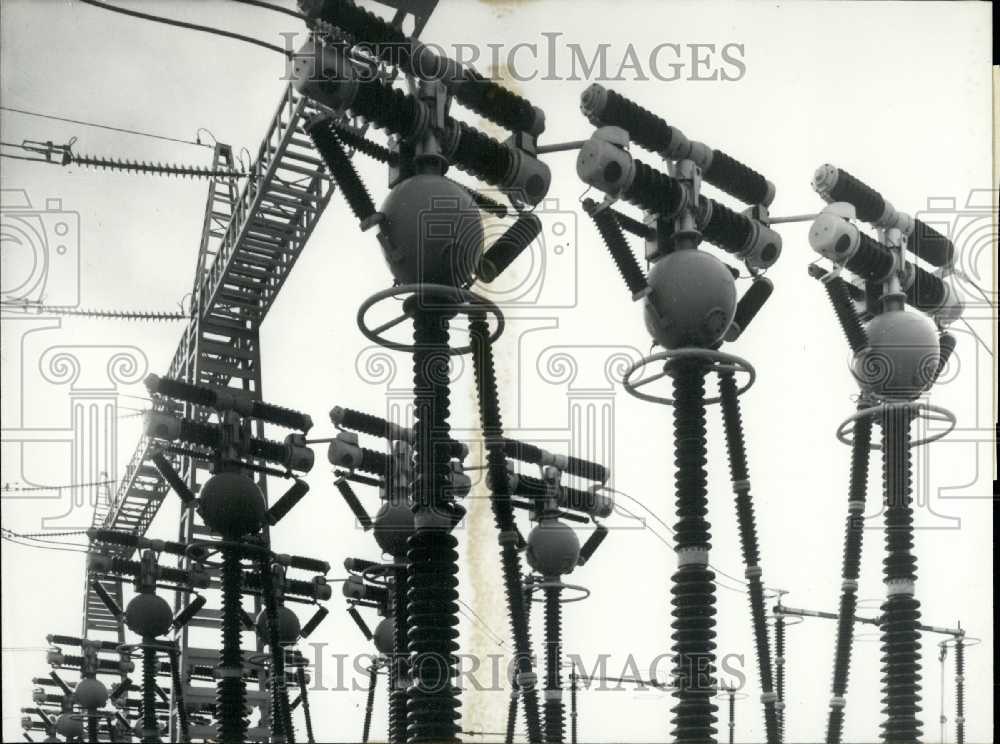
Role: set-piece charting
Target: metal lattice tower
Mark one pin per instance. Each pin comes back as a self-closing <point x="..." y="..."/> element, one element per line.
<point x="250" y="242"/>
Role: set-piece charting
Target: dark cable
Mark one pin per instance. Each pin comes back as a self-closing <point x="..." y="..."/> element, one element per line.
<point x="191" y="26"/>
<point x="271" y="6"/>
<point x="104" y="126"/>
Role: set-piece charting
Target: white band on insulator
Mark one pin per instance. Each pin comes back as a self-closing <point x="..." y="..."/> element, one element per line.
<point x="899" y="586"/>
<point x="779" y="660"/>
<point x="780" y="705"/>
<point x="692" y="556"/>
<point x="753" y="572"/>
<point x="849" y="585"/>
<point x="856" y="507"/>
<point x="960" y="678"/>
<point x="553" y="695"/>
<point x="959" y="719"/>
<point x="508" y="537"/>
<point x="741" y="485"/>
<point x="526" y="679"/>
<point x="769" y="697"/>
<point x="837" y="702"/>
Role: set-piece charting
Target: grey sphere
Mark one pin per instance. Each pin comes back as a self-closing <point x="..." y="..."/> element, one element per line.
<point x="148" y="615"/>
<point x="383" y="635"/>
<point x="553" y="548"/>
<point x="435" y="229"/>
<point x="393" y="527"/>
<point x="692" y="299"/>
<point x="288" y="626"/>
<point x="69" y="726"/>
<point x="232" y="505"/>
<point x="901" y="358"/>
<point x="90" y="693"/>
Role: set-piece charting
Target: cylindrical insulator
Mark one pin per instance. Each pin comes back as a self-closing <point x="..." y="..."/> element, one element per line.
<point x="843" y="306"/>
<point x="930" y="245"/>
<point x="872" y="260"/>
<point x="433" y="561"/>
<point x="901" y="670"/>
<point x="231" y="687"/>
<point x="509" y="246"/>
<point x="750" y="304"/>
<point x="779" y="672"/>
<point x="725" y="228"/>
<point x="281" y="717"/>
<point x="178" y="688"/>
<point x="399" y="669"/>
<point x="853" y="536"/>
<point x="503" y="517"/>
<point x="362" y="144"/>
<point x="389" y="108"/>
<point x="498" y="104"/>
<point x="555" y="724"/>
<point x="693" y="583"/>
<point x="150" y="728"/>
<point x="959" y="691"/>
<point x="370" y="705"/>
<point x="604" y="107"/>
<point x="614" y="240"/>
<point x="900" y="562"/>
<point x="837" y="185"/>
<point x="740" y="474"/>
<point x="946" y="342"/>
<point x="365" y="423"/>
<point x="654" y="190"/>
<point x="927" y="292"/>
<point x="738" y="180"/>
<point x="901" y="611"/>
<point x="342" y="169"/>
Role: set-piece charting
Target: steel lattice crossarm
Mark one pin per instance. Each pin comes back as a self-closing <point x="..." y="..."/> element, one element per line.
<point x="250" y="242"/>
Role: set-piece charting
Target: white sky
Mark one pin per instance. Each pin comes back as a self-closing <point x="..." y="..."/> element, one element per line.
<point x="897" y="93"/>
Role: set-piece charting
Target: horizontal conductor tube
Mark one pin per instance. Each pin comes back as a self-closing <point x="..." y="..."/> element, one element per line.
<point x="509" y="246"/>
<point x="614" y="239"/>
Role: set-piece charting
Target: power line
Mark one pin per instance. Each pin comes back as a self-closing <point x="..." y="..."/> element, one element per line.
<point x="7" y="487"/>
<point x="150" y="315"/>
<point x="272" y="6"/>
<point x="35" y="535"/>
<point x="192" y="26"/>
<point x="105" y="126"/>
